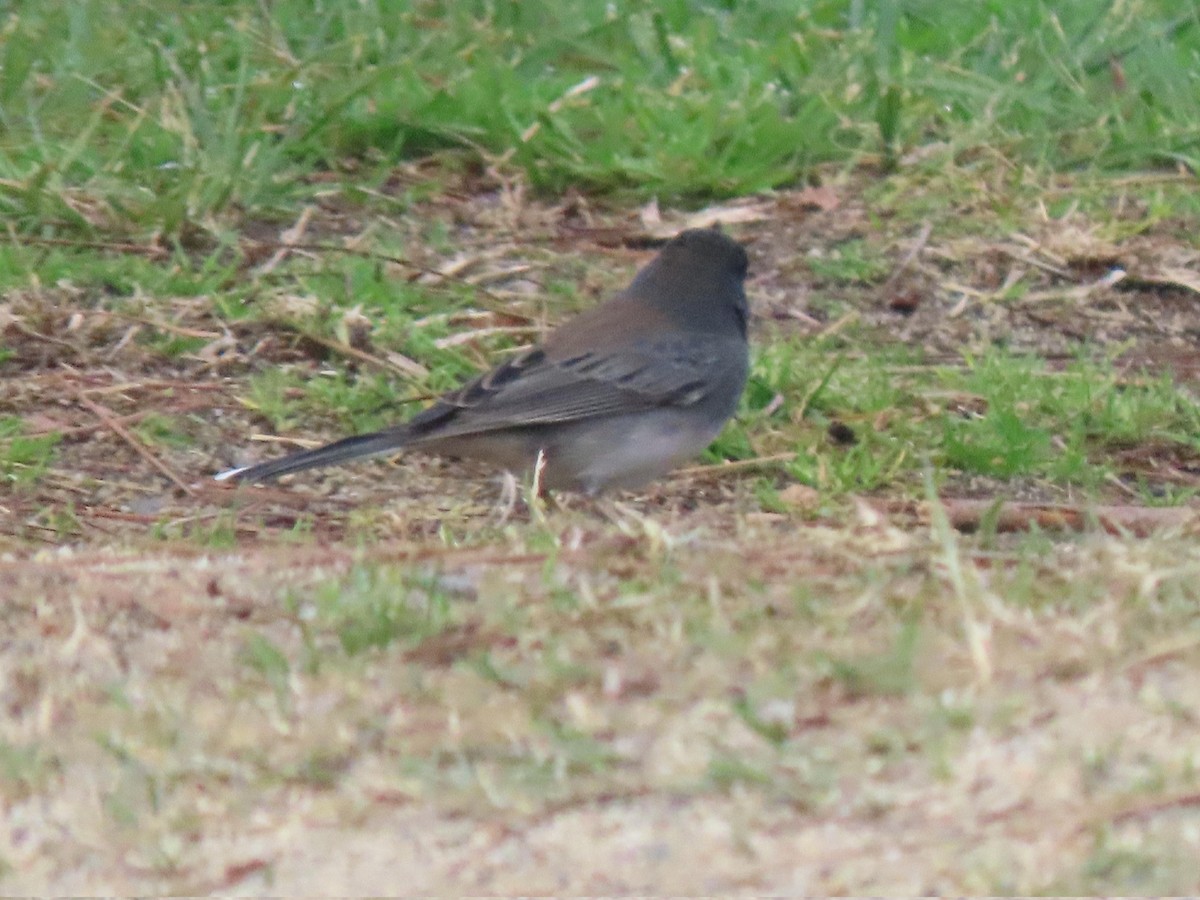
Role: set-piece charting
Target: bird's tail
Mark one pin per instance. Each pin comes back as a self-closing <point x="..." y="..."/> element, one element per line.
<point x="331" y="454"/>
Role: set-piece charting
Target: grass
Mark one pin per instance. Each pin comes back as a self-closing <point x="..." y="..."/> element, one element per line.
<point x="845" y="688"/>
<point x="179" y="119"/>
<point x="24" y="458"/>
<point x="808" y="657"/>
<point x="867" y="422"/>
<point x="1004" y="415"/>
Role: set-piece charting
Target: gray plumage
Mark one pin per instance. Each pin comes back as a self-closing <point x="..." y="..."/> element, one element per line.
<point x="615" y="397"/>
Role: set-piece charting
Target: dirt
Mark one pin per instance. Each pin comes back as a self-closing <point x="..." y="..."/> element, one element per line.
<point x="125" y="553"/>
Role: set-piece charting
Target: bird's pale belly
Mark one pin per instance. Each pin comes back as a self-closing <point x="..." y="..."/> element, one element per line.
<point x="595" y="455"/>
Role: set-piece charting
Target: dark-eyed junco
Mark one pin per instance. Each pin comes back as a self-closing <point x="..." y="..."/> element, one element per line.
<point x="614" y="397"/>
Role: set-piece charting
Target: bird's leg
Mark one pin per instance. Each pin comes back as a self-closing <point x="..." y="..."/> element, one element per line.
<point x="509" y="494"/>
<point x="533" y="495"/>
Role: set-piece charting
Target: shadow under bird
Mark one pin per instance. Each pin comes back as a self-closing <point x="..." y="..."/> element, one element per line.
<point x="613" y="398"/>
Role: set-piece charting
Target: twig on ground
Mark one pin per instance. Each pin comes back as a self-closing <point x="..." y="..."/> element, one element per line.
<point x="128" y="419"/>
<point x="110" y="421"/>
<point x="918" y="245"/>
<point x="396" y="362"/>
<point x="969" y="515"/>
<point x="289" y="238"/>
<point x="739" y="465"/>
<point x="151" y="250"/>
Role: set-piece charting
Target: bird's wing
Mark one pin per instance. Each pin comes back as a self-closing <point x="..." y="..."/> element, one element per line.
<point x="535" y="389"/>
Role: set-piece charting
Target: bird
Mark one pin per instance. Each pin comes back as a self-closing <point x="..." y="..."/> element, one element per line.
<point x="611" y="399"/>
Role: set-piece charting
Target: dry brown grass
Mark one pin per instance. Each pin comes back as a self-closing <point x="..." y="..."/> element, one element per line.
<point x="365" y="684"/>
<point x="699" y="706"/>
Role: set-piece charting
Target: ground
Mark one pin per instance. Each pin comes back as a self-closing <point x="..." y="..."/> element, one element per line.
<point x="823" y="660"/>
